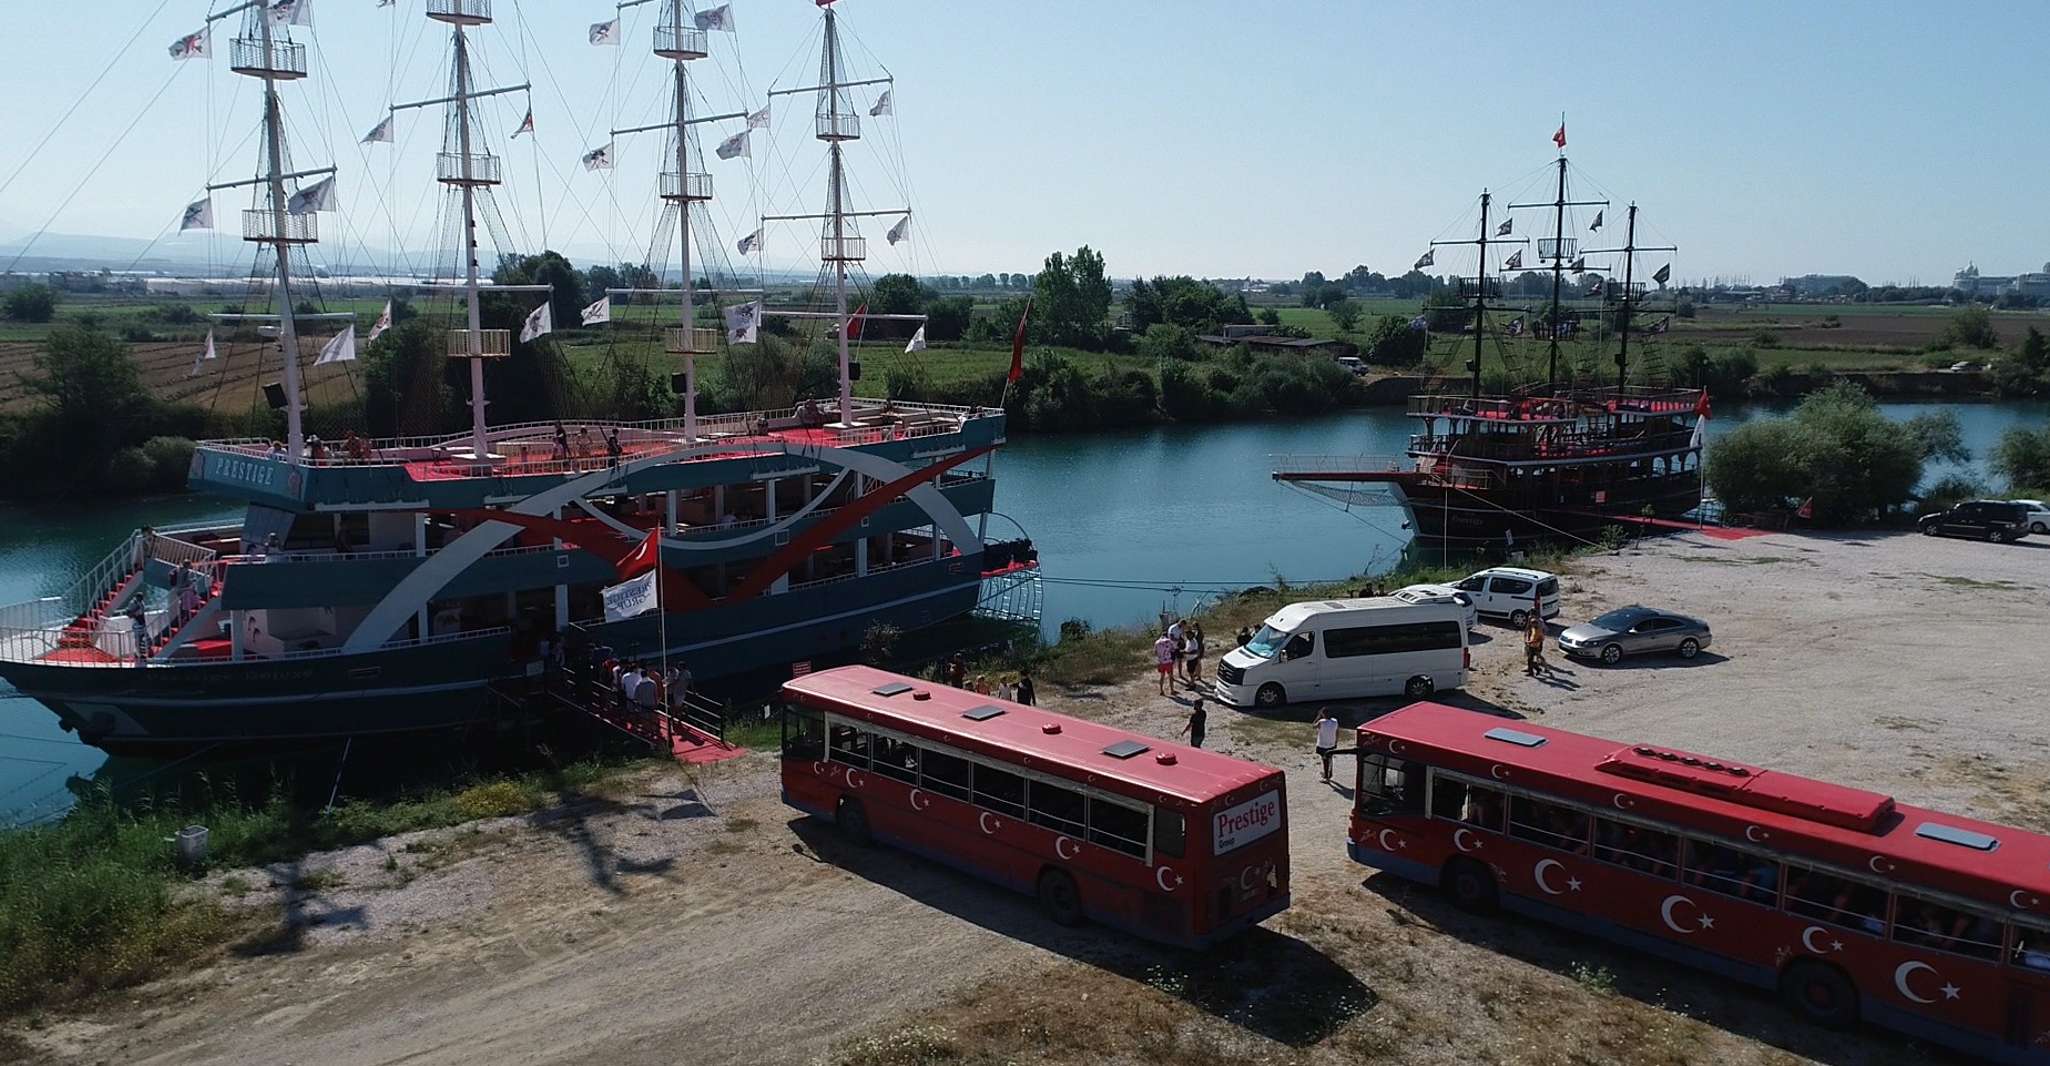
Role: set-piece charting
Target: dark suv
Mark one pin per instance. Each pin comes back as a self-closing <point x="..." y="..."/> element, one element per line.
<point x="1990" y="519"/>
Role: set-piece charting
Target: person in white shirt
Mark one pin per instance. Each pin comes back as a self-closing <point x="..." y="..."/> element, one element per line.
<point x="630" y="683"/>
<point x="1327" y="739"/>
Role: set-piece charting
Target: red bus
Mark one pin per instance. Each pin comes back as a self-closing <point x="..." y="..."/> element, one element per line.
<point x="1169" y="842"/>
<point x="1846" y="903"/>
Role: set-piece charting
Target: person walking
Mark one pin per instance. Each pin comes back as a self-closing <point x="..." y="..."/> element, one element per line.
<point x="1163" y="663"/>
<point x="1194" y="657"/>
<point x="1534" y="648"/>
<point x="1327" y="739"/>
<point x="1025" y="692"/>
<point x="1194" y="727"/>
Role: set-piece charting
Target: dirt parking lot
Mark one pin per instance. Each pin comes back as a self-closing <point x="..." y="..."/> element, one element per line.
<point x="695" y="920"/>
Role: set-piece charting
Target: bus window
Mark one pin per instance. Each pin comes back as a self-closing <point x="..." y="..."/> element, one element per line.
<point x="1730" y="872"/>
<point x="1825" y="897"/>
<point x="2031" y="948"/>
<point x="1549" y="824"/>
<point x="999" y="790"/>
<point x="895" y="758"/>
<point x="1170" y="832"/>
<point x="849" y="745"/>
<point x="1390" y="786"/>
<point x="1918" y="921"/>
<point x="1117" y="827"/>
<point x="1059" y="809"/>
<point x="804" y="733"/>
<point x="948" y="775"/>
<point x="1457" y="801"/>
<point x="1648" y="851"/>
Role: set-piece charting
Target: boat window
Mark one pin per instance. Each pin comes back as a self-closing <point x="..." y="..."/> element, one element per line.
<point x="1730" y="872"/>
<point x="1476" y="805"/>
<point x="1548" y="824"/>
<point x="999" y="790"/>
<point x="2031" y="948"/>
<point x="1266" y="642"/>
<point x="894" y="758"/>
<point x="1649" y="851"/>
<point x="849" y="745"/>
<point x="1117" y="827"/>
<point x="804" y="733"/>
<point x="1170" y="832"/>
<point x="1390" y="785"/>
<point x="1945" y="928"/>
<point x="1059" y="809"/>
<point x="1826" y="897"/>
<point x="948" y="775"/>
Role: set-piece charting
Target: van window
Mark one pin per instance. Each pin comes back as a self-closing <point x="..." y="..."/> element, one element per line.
<point x="1389" y="640"/>
<point x="1300" y="646"/>
<point x="1548" y="587"/>
<point x="1473" y="584"/>
<point x="1510" y="586"/>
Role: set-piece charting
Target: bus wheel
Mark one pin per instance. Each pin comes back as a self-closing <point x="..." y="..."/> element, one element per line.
<point x="1418" y="687"/>
<point x="1470" y="884"/>
<point x="1270" y="695"/>
<point x="852" y="821"/>
<point x="1820" y="994"/>
<point x="1059" y="898"/>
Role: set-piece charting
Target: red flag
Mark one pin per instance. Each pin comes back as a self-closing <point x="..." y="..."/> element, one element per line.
<point x="1018" y="344"/>
<point x="1701" y="405"/>
<point x="646" y="556"/>
<point x="854" y="324"/>
<point x="1559" y="138"/>
<point x="1807" y="508"/>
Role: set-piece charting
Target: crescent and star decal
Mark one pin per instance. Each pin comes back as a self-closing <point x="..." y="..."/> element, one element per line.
<point x="2021" y="900"/>
<point x="818" y="769"/>
<point x="916" y="795"/>
<point x="1756" y="835"/>
<point x="1702" y="920"/>
<point x="1537" y="873"/>
<point x="1395" y="747"/>
<point x="1498" y="772"/>
<point x="1908" y="969"/>
<point x="1381" y="838"/>
<point x="984" y="819"/>
<point x="851" y="782"/>
<point x="1879" y="864"/>
<point x="1245" y="876"/>
<point x="1160" y="876"/>
<point x="1808" y="940"/>
<point x="1061" y="846"/>
<point x="1622" y="802"/>
<point x="1459" y="840"/>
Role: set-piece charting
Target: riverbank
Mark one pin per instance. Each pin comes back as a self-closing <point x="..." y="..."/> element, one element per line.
<point x="682" y="906"/>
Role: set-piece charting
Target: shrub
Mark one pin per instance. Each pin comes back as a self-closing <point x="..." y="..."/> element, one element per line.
<point x="2022" y="458"/>
<point x="1393" y="343"/>
<point x="1766" y="338"/>
<point x="169" y="459"/>
<point x="908" y="382"/>
<point x="1183" y="394"/>
<point x="129" y="470"/>
<point x="175" y="314"/>
<point x="1973" y="328"/>
<point x="1684" y="309"/>
<point x="879" y="643"/>
<point x="1952" y="489"/>
<point x="1836" y="449"/>
<point x="1163" y="342"/>
<point x="32" y="303"/>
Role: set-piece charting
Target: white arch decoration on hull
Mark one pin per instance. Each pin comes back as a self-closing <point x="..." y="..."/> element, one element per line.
<point x="676" y="544"/>
<point x="413" y="591"/>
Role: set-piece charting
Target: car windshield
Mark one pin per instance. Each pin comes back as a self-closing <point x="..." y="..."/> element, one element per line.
<point x="1266" y="642"/>
<point x="1622" y="618"/>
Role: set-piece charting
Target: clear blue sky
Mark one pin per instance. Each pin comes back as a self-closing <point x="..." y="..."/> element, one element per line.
<point x="1895" y="141"/>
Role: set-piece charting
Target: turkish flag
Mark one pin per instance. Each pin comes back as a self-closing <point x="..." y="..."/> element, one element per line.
<point x="854" y="324"/>
<point x="1701" y="405"/>
<point x="1807" y="509"/>
<point x="1559" y="138"/>
<point x="1018" y="344"/>
<point x="646" y="556"/>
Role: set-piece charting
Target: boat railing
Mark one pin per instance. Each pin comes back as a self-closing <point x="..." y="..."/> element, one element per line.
<point x="1342" y="464"/>
<point x="850" y="575"/>
<point x="1545" y="446"/>
<point x="297" y="557"/>
<point x="114" y="647"/>
<point x="1563" y="404"/>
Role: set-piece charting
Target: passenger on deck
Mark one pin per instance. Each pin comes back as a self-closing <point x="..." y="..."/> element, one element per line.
<point x="277" y="451"/>
<point x="315" y="450"/>
<point x="809" y="415"/>
<point x="354" y="446"/>
<point x="561" y="441"/>
<point x="583" y="441"/>
<point x="612" y="449"/>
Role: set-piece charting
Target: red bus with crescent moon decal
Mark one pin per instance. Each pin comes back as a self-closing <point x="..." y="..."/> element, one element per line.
<point x="1846" y="903"/>
<point x="1169" y="842"/>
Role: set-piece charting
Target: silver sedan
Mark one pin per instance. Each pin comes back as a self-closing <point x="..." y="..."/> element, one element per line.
<point x="1635" y="631"/>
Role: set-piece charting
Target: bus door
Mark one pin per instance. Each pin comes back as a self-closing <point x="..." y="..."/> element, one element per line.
<point x="2028" y="991"/>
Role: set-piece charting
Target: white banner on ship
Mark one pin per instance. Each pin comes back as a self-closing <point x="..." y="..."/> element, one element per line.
<point x="629" y="599"/>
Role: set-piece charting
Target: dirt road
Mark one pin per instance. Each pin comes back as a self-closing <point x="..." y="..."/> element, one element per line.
<point x="696" y="921"/>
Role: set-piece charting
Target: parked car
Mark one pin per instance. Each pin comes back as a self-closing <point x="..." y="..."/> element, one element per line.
<point x="1440" y="594"/>
<point x="1505" y="592"/>
<point x="2039" y="516"/>
<point x="1353" y="364"/>
<point x="1997" y="520"/>
<point x="1635" y="631"/>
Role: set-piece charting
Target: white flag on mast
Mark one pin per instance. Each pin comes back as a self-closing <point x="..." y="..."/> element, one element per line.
<point x="598" y="312"/>
<point x="383" y="323"/>
<point x="192" y="46"/>
<point x="899" y="231"/>
<point x="599" y="158"/>
<point x="341" y="348"/>
<point x="630" y="599"/>
<point x="541" y="320"/>
<point x="199" y="214"/>
<point x="319" y="196"/>
<point x="605" y="33"/>
<point x="882" y="105"/>
<point x="743" y="321"/>
<point x="205" y="354"/>
<point x="718" y="18"/>
<point x="292" y="13"/>
<point x="750" y="242"/>
<point x="917" y="340"/>
<point x="380" y="132"/>
<point x="758" y="120"/>
<point x="733" y="146"/>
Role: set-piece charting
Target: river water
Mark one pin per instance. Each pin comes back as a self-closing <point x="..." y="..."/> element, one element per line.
<point x="1127" y="524"/>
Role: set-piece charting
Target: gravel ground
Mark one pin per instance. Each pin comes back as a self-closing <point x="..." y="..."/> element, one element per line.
<point x="694" y="920"/>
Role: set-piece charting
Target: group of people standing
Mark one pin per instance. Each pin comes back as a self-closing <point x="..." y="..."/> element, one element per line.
<point x="954" y="671"/>
<point x="645" y="685"/>
<point x="1179" y="654"/>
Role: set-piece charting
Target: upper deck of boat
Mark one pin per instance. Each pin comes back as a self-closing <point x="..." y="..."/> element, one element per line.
<point x="1560" y="405"/>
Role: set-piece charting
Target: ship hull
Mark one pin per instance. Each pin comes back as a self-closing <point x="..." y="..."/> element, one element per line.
<point x="1502" y="519"/>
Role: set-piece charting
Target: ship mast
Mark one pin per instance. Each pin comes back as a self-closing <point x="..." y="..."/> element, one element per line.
<point x="1559" y="253"/>
<point x="1480" y="283"/>
<point x="1629" y="251"/>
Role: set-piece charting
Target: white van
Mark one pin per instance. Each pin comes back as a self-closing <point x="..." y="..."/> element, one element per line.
<point x="1506" y="592"/>
<point x="1343" y="649"/>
